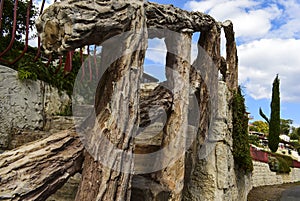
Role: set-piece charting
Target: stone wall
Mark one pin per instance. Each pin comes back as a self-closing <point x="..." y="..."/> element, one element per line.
<point x="25" y="105"/>
<point x="263" y="176"/>
<point x="29" y="111"/>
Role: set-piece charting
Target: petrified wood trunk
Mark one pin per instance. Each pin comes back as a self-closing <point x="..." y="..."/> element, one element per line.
<point x="204" y="79"/>
<point x="72" y="24"/>
<point x="175" y="131"/>
<point x="37" y="170"/>
<point x="117" y="109"/>
<point x="107" y="170"/>
<point x="231" y="56"/>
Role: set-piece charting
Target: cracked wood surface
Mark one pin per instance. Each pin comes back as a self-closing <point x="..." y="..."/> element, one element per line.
<point x="71" y="24"/>
<point x="35" y="171"/>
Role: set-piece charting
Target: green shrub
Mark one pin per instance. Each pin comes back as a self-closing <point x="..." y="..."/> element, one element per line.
<point x="283" y="166"/>
<point x="24" y="75"/>
<point x="288" y="159"/>
<point x="280" y="163"/>
<point x="241" y="146"/>
<point x="253" y="139"/>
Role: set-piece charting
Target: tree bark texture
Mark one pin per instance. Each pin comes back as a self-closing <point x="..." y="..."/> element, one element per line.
<point x="204" y="79"/>
<point x="175" y="131"/>
<point x="71" y="24"/>
<point x="231" y="56"/>
<point x="37" y="170"/>
<point x="108" y="165"/>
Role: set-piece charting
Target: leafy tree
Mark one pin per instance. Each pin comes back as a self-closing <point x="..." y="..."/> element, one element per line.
<point x="274" y="122"/>
<point x="259" y="126"/>
<point x="8" y="18"/>
<point x="28" y="67"/>
<point x="285" y="126"/>
<point x="295" y="134"/>
<point x="6" y="30"/>
<point x="241" y="148"/>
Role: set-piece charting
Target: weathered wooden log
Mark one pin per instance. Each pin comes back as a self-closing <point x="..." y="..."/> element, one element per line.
<point x="108" y="167"/>
<point x="175" y="19"/>
<point x="176" y="128"/>
<point x="71" y="24"/>
<point x="160" y="101"/>
<point x="35" y="171"/>
<point x="231" y="56"/>
<point x="204" y="78"/>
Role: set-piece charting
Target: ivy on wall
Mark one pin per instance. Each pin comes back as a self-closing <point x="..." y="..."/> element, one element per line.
<point x="241" y="147"/>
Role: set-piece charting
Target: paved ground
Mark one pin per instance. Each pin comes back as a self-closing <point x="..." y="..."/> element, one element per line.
<point x="291" y="194"/>
<point x="275" y="193"/>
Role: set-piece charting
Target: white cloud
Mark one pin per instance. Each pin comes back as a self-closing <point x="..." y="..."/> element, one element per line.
<point x="156" y="51"/>
<point x="289" y="20"/>
<point x="261" y="60"/>
<point x="251" y="21"/>
<point x="269" y="42"/>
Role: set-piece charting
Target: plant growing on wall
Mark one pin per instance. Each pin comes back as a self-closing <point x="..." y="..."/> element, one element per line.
<point x="241" y="148"/>
<point x="274" y="121"/>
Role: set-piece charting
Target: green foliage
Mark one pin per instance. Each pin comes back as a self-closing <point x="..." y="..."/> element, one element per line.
<point x="253" y="139"/>
<point x="24" y="75"/>
<point x="285" y="125"/>
<point x="29" y="68"/>
<point x="241" y="148"/>
<point x="274" y="128"/>
<point x="259" y="126"/>
<point x="7" y="21"/>
<point x="283" y="166"/>
<point x="274" y="122"/>
<point x="295" y="134"/>
<point x="280" y="163"/>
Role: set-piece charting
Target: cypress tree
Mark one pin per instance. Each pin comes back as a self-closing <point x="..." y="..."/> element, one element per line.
<point x="274" y="128"/>
<point x="274" y="122"/>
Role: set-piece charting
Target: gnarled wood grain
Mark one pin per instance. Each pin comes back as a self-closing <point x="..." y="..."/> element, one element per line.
<point x="71" y="24"/>
<point x="35" y="171"/>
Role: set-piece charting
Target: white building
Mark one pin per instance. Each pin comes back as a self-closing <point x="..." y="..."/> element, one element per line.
<point x="285" y="138"/>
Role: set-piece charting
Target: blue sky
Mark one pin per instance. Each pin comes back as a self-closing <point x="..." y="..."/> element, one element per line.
<point x="268" y="38"/>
